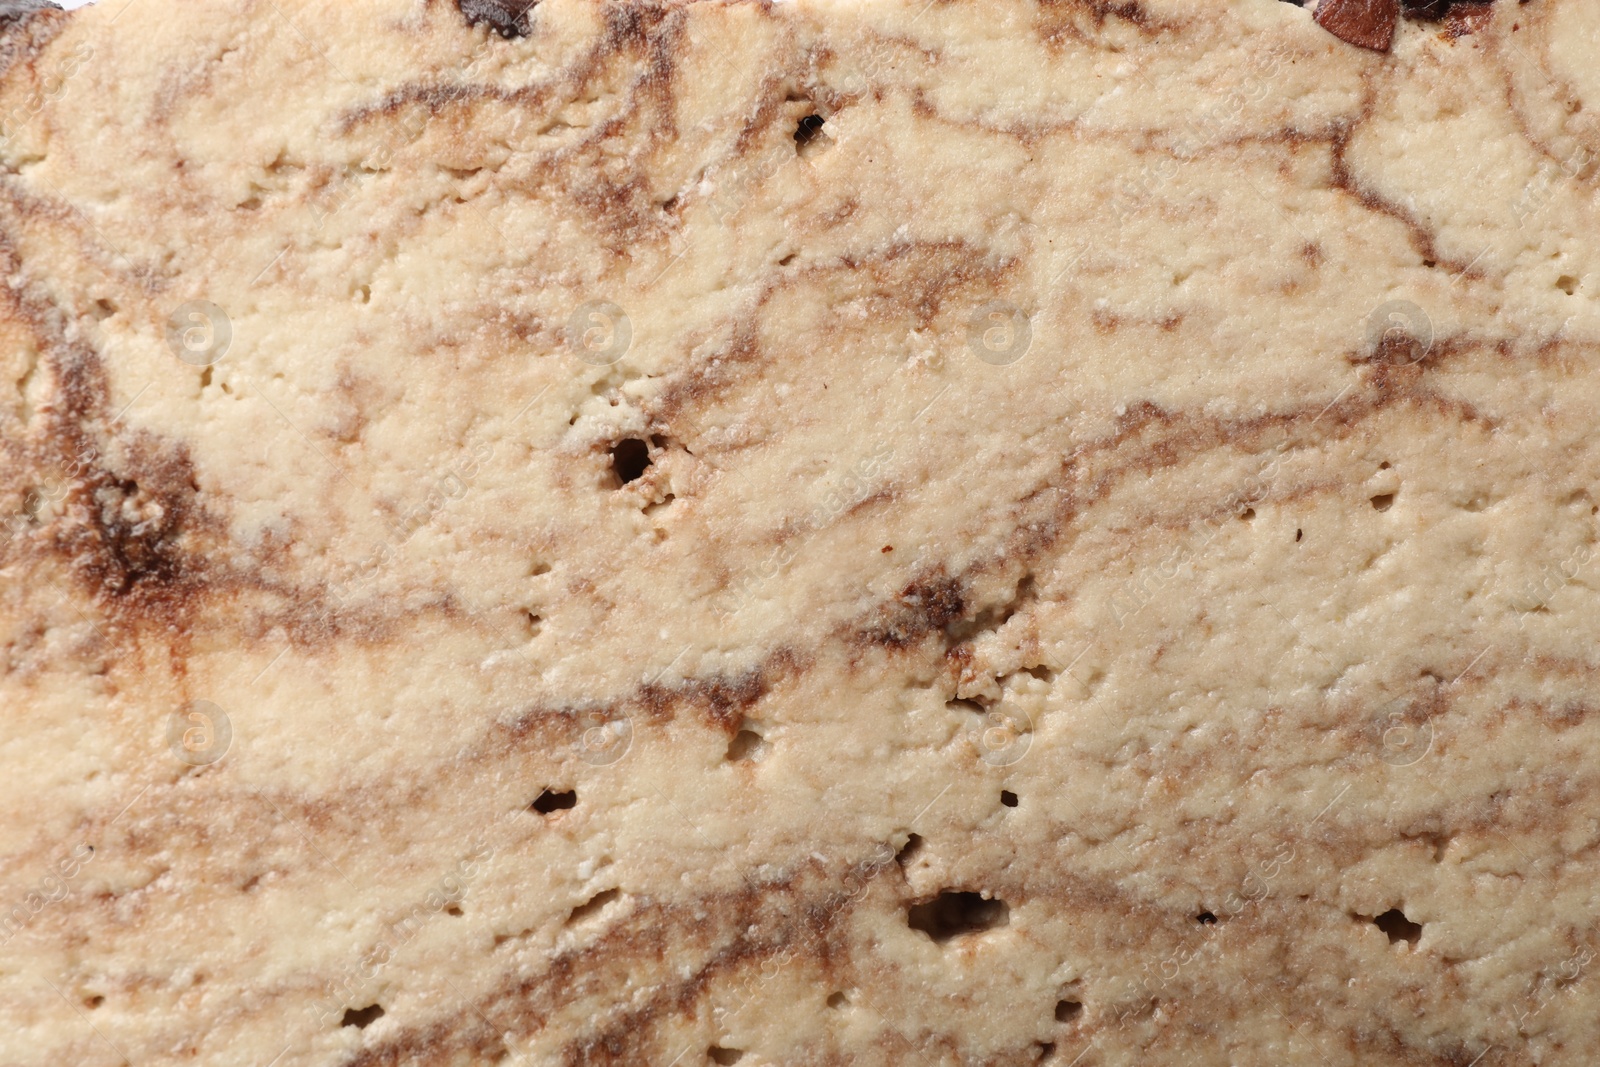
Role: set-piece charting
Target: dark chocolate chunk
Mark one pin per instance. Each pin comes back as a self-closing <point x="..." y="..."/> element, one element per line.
<point x="1368" y="23"/>
<point x="13" y="10"/>
<point x="1431" y="10"/>
<point x="508" y="18"/>
<point x="1462" y="20"/>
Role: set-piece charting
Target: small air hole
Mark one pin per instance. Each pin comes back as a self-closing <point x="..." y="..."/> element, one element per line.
<point x="103" y="309"/>
<point x="838" y="1000"/>
<point x="724" y="1056"/>
<point x="1567" y="284"/>
<point x="808" y="129"/>
<point x="630" y="458"/>
<point x="966" y="705"/>
<point x="594" y="905"/>
<point x="1297" y="535"/>
<point x="1044" y="1050"/>
<point x="1248" y="514"/>
<point x="811" y="136"/>
<point x="955" y="913"/>
<point x="454" y="910"/>
<point x="361" y="1018"/>
<point x="909" y="851"/>
<point x="1383" y="501"/>
<point x="747" y="746"/>
<point x="1008" y="798"/>
<point x="550" y="800"/>
<point x="1398" y="928"/>
<point x="534" y="623"/>
<point x="93" y="1002"/>
<point x="1067" y="1011"/>
<point x="1205" y="918"/>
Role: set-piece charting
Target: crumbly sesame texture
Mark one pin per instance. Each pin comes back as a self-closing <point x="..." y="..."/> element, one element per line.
<point x="834" y="532"/>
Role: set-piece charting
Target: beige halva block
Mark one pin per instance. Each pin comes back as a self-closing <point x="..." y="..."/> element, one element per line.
<point x="828" y="532"/>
